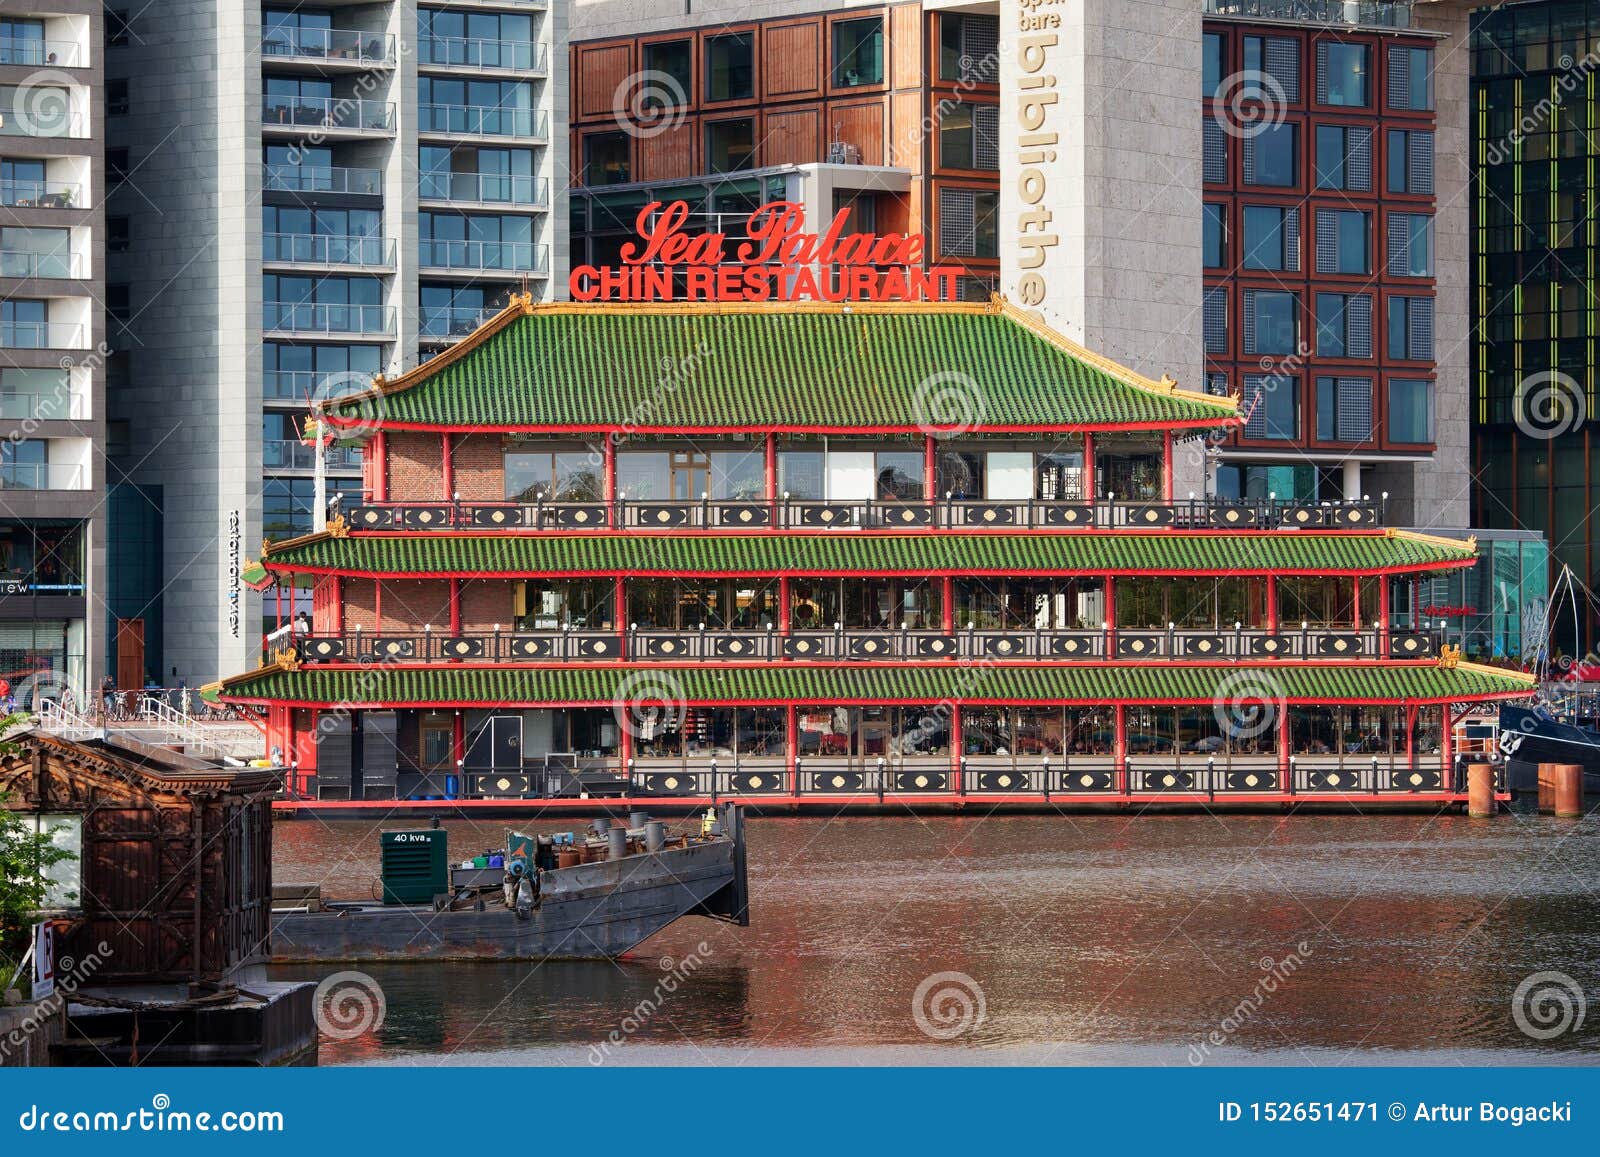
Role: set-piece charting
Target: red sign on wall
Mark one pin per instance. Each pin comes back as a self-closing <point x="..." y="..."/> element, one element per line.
<point x="776" y="260"/>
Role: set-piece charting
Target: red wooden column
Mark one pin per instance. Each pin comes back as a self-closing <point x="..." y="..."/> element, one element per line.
<point x="621" y="612"/>
<point x="1166" y="465"/>
<point x="1284" y="784"/>
<point x="380" y="467"/>
<point x="458" y="750"/>
<point x="1383" y="616"/>
<point x="1272" y="602"/>
<point x="1355" y="606"/>
<point x="947" y="601"/>
<point x="625" y="752"/>
<point x="1447" y="758"/>
<point x="447" y="468"/>
<point x="791" y="748"/>
<point x="783" y="604"/>
<point x="1111" y="616"/>
<point x="1119" y="749"/>
<point x="1411" y="731"/>
<point x="930" y="470"/>
<point x="455" y="609"/>
<point x="338" y="604"/>
<point x="1088" y="467"/>
<point x="611" y="481"/>
<point x="770" y="458"/>
<point x="956" y="750"/>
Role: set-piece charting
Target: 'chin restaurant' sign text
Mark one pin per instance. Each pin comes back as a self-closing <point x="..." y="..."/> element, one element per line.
<point x="776" y="260"/>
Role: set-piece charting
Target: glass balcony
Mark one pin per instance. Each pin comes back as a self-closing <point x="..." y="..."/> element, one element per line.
<point x="510" y="256"/>
<point x="41" y="335"/>
<point x="307" y="179"/>
<point x="40" y="112"/>
<point x="307" y="317"/>
<point x="346" y="113"/>
<point x="40" y="476"/>
<point x="487" y="55"/>
<point x="15" y="406"/>
<point x="40" y="194"/>
<point x="1371" y="13"/>
<point x="450" y="323"/>
<point x="294" y="455"/>
<point x="329" y="249"/>
<point x="340" y="46"/>
<point x="481" y="120"/>
<point x="482" y="189"/>
<point x="299" y="385"/>
<point x="24" y="263"/>
<point x="40" y="53"/>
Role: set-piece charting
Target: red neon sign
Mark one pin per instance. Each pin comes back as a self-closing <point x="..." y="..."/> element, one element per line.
<point x="776" y="261"/>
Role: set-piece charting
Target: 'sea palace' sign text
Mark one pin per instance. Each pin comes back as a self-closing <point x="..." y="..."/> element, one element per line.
<point x="776" y="260"/>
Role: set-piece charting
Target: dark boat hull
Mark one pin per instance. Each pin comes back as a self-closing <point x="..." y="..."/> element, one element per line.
<point x="588" y="912"/>
<point x="1528" y="738"/>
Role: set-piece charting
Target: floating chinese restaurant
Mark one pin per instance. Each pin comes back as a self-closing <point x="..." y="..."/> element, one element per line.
<point x="921" y="554"/>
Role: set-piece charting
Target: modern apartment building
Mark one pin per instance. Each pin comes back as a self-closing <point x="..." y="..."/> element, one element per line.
<point x="1535" y="249"/>
<point x="306" y="196"/>
<point x="52" y="371"/>
<point x="1263" y="196"/>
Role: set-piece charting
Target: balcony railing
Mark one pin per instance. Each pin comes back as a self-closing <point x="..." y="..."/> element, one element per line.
<point x="40" y="194"/>
<point x="887" y="644"/>
<point x="25" y="263"/>
<point x="40" y="53"/>
<point x="50" y="117"/>
<point x="327" y="249"/>
<point x="1371" y="13"/>
<point x="481" y="120"/>
<point x="300" y="385"/>
<point x="46" y="407"/>
<point x="451" y="323"/>
<point x="289" y="454"/>
<point x="346" y="113"/>
<point x="506" y="256"/>
<point x="488" y="55"/>
<point x="482" y="189"/>
<point x="340" y="46"/>
<point x="40" y="476"/>
<point x="953" y="514"/>
<point x="308" y="318"/>
<point x="41" y="335"/>
<point x="308" y="179"/>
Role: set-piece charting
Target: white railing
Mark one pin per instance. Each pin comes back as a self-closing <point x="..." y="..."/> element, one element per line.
<point x="450" y="322"/>
<point x="481" y="120"/>
<point x="310" y="179"/>
<point x="327" y="249"/>
<point x="26" y="263"/>
<point x="482" y="188"/>
<point x="306" y="317"/>
<point x="300" y="385"/>
<point x="328" y="113"/>
<point x="509" y="256"/>
<point x="489" y="55"/>
<point x="61" y="405"/>
<point x="41" y="476"/>
<point x="41" y="335"/>
<point x="39" y="53"/>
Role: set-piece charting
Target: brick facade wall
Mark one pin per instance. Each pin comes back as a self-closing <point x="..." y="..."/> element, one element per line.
<point x="408" y="605"/>
<point x="479" y="463"/>
<point x="416" y="467"/>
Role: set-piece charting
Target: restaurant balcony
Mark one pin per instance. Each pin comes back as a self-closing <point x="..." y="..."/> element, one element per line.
<point x="491" y="190"/>
<point x="342" y="116"/>
<point x="887" y="644"/>
<point x="796" y="514"/>
<point x="309" y="179"/>
<point x="327" y="250"/>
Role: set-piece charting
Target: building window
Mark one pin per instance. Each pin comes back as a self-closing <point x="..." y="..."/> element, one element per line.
<point x="858" y="52"/>
<point x="731" y="145"/>
<point x="1411" y="329"/>
<point x="1212" y="69"/>
<point x="118" y="235"/>
<point x="1409" y="161"/>
<point x="1271" y="156"/>
<point x="1271" y="237"/>
<point x="1271" y="322"/>
<point x="669" y="62"/>
<point x="1344" y="409"/>
<point x="540" y="475"/>
<point x="1410" y="410"/>
<point x="1216" y="236"/>
<point x="116" y="28"/>
<point x="605" y="159"/>
<point x="967" y="223"/>
<point x="117" y="98"/>
<point x="969" y="48"/>
<point x="1342" y="241"/>
<point x="1344" y="325"/>
<point x="1214" y="151"/>
<point x="969" y="136"/>
<point x="1216" y="321"/>
<point x="730" y="67"/>
<point x="1272" y="407"/>
<point x="1344" y="158"/>
<point x="118" y="302"/>
<point x="1342" y="74"/>
<point x="1410" y="78"/>
<point x="1410" y="245"/>
<point x="1272" y="69"/>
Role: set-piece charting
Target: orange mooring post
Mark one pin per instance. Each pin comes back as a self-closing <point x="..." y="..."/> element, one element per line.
<point x="1568" y="790"/>
<point x="1480" y="789"/>
<point x="1547" y="788"/>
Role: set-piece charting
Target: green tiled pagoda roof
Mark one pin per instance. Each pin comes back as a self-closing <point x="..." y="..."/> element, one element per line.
<point x="863" y="682"/>
<point x="435" y="554"/>
<point x="679" y="369"/>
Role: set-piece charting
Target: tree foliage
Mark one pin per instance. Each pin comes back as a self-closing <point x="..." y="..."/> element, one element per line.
<point x="24" y="857"/>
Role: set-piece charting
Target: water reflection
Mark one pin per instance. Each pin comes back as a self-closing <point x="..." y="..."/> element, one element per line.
<point x="1150" y="940"/>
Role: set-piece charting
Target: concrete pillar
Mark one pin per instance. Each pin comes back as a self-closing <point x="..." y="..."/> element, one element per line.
<point x="1352" y="480"/>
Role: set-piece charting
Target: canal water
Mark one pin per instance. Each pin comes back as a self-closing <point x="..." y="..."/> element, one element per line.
<point x="1161" y="940"/>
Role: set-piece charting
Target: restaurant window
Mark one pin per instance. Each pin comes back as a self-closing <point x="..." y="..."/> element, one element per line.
<point x="1316" y="600"/>
<point x="858" y="52"/>
<point x="545" y="476"/>
<point x="669" y="65"/>
<point x="730" y="145"/>
<point x="605" y="159"/>
<point x="555" y="604"/>
<point x="438" y="742"/>
<point x="730" y="67"/>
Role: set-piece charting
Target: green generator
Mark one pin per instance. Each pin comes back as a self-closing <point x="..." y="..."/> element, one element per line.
<point x="416" y="865"/>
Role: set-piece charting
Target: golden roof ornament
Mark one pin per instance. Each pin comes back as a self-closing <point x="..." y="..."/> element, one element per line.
<point x="338" y="527"/>
<point x="286" y="659"/>
<point x="1449" y="656"/>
